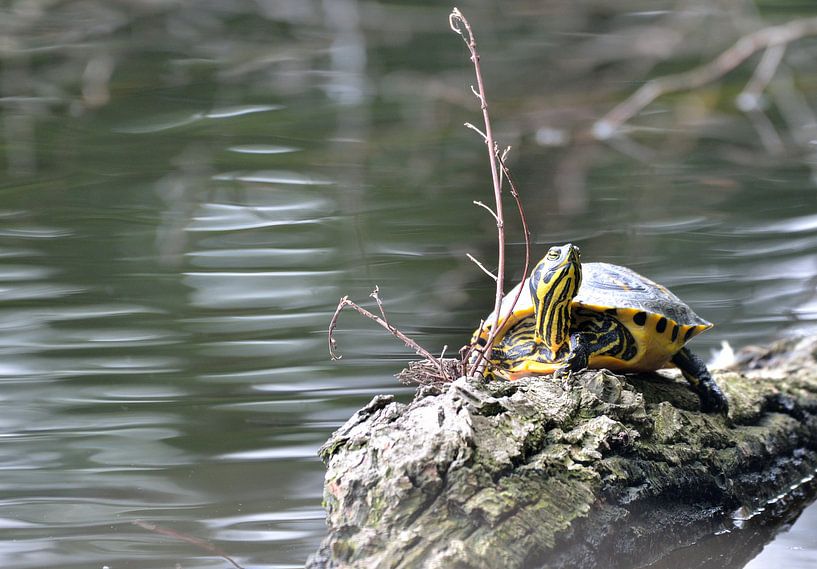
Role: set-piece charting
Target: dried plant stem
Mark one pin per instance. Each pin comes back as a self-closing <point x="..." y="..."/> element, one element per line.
<point x="481" y="266"/>
<point x="449" y="369"/>
<point x="198" y="542"/>
<point x="525" y="230"/>
<point x="344" y="302"/>
<point x="479" y="364"/>
<point x="460" y="25"/>
<point x="746" y="46"/>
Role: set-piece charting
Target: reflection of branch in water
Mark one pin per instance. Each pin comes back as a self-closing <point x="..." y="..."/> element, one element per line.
<point x="751" y="102"/>
<point x="766" y="38"/>
<point x="794" y="108"/>
<point x="750" y="97"/>
<point x="769" y="138"/>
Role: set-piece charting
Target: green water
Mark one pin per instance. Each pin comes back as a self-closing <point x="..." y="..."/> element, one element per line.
<point x="187" y="189"/>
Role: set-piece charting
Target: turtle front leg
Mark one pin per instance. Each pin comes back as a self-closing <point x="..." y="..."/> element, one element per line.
<point x="581" y="348"/>
<point x="695" y="372"/>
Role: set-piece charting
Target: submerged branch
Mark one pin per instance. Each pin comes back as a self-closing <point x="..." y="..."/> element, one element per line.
<point x="771" y="37"/>
<point x="179" y="536"/>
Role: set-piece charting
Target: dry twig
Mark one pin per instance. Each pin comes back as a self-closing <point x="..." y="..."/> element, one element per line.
<point x="448" y="369"/>
<point x="460" y="25"/>
<point x="766" y="38"/>
<point x="481" y="266"/>
<point x="525" y="230"/>
<point x="344" y="302"/>
<point x="499" y="171"/>
<point x="478" y="366"/>
<point x="425" y="372"/>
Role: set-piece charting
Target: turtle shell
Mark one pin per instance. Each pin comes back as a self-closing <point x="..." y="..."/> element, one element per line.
<point x="660" y="322"/>
<point x="605" y="286"/>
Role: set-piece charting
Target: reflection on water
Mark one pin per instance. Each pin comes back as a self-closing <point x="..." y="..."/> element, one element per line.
<point x="187" y="190"/>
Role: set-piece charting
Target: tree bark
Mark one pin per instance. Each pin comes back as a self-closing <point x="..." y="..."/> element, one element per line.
<point x="599" y="470"/>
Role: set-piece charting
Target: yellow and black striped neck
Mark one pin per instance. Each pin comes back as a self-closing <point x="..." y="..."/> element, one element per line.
<point x="554" y="282"/>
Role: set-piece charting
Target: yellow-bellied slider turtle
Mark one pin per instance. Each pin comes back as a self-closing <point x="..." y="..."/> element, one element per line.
<point x="572" y="316"/>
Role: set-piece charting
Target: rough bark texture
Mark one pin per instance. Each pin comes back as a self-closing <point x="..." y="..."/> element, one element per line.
<point x="600" y="470"/>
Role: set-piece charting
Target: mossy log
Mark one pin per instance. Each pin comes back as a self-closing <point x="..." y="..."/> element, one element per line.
<point x="598" y="470"/>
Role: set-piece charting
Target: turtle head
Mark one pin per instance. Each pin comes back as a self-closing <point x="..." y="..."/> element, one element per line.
<point x="553" y="283"/>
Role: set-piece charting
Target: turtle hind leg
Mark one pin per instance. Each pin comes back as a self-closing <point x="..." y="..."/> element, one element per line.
<point x="695" y="372"/>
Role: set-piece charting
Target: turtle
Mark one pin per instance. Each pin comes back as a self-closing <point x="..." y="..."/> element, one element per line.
<point x="572" y="315"/>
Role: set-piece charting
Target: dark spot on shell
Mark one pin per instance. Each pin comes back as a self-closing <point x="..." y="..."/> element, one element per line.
<point x="661" y="325"/>
<point x="675" y="332"/>
<point x="640" y="318"/>
<point x="482" y="341"/>
<point x="689" y="333"/>
<point x="611" y="311"/>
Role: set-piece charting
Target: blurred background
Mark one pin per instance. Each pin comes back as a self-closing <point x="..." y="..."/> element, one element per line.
<point x="188" y="188"/>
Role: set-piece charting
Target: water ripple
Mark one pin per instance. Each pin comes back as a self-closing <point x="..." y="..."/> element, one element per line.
<point x="307" y="371"/>
<point x="37" y="291"/>
<point x="234" y="323"/>
<point x="222" y="258"/>
<point x="274" y="177"/>
<point x="802" y="224"/>
<point x="24" y="273"/>
<point x="240" y="110"/>
<point x="262" y="348"/>
<point x="787" y="246"/>
<point x="278" y="452"/>
<point x="171" y="122"/>
<point x="267" y="517"/>
<point x="280" y="289"/>
<point x="122" y="365"/>
<point x="262" y="149"/>
<point x="675" y="225"/>
<point x="34" y="232"/>
<point x="262" y="535"/>
<point x="227" y="217"/>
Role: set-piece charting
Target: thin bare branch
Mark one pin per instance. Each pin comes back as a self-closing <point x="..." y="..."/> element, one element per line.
<point x="488" y="209"/>
<point x="333" y="354"/>
<point x="374" y="294"/>
<point x="481" y="266"/>
<point x="344" y="302"/>
<point x="502" y="155"/>
<point x="746" y="46"/>
<point x="198" y="542"/>
<point x="474" y="128"/>
<point x="460" y="25"/>
<point x="481" y="361"/>
<point x="525" y="229"/>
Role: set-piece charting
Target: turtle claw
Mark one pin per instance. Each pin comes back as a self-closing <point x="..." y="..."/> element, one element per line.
<point x="712" y="398"/>
<point x="563" y="372"/>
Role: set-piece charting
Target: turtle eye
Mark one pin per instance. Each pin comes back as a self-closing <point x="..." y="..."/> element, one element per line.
<point x="553" y="254"/>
